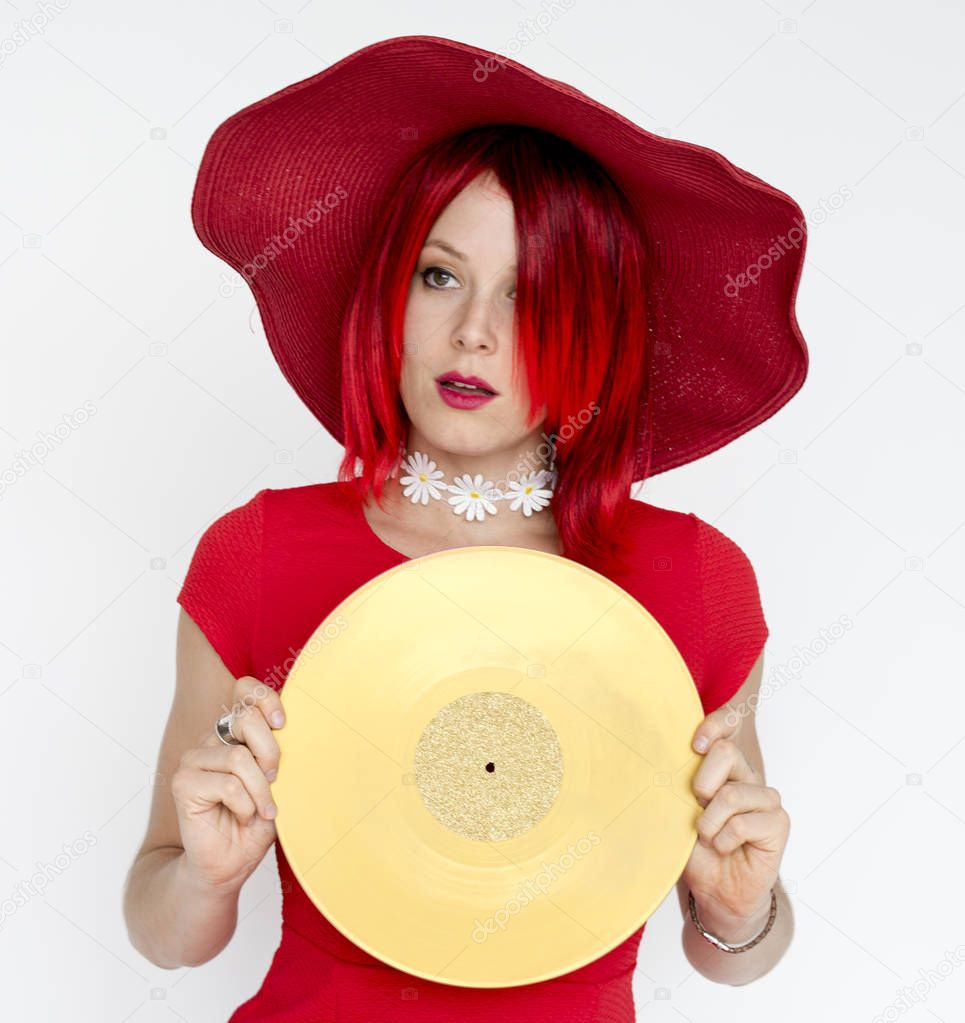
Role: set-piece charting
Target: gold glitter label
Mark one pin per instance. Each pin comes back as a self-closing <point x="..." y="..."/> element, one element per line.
<point x="489" y="766"/>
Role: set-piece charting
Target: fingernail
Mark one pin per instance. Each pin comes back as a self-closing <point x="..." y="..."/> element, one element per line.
<point x="271" y="774"/>
<point x="271" y="810"/>
<point x="278" y="719"/>
<point x="701" y="743"/>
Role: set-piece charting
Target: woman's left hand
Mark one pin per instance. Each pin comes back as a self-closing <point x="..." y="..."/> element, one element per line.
<point x="741" y="833"/>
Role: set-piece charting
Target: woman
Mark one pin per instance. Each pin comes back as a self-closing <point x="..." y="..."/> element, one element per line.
<point x="503" y="315"/>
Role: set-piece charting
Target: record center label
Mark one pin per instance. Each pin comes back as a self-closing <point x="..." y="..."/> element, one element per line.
<point x="489" y="766"/>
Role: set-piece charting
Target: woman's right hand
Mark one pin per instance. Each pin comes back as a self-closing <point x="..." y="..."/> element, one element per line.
<point x="224" y="805"/>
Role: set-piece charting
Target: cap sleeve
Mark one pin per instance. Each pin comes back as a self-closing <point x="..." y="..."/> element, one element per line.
<point x="734" y="627"/>
<point x="222" y="586"/>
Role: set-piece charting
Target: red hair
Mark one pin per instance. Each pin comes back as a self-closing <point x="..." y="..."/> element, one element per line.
<point x="580" y="322"/>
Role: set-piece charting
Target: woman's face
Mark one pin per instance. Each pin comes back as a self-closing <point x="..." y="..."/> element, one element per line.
<point x="459" y="319"/>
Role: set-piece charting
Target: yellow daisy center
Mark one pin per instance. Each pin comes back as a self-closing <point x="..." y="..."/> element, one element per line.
<point x="474" y="493"/>
<point x="423" y="477"/>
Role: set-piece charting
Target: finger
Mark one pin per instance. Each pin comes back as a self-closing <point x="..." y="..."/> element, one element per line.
<point x="735" y="798"/>
<point x="211" y="739"/>
<point x="765" y="829"/>
<point x="723" y="723"/>
<point x="725" y="761"/>
<point x="204" y="789"/>
<point x="253" y="730"/>
<point x="239" y="762"/>
<point x="251" y="692"/>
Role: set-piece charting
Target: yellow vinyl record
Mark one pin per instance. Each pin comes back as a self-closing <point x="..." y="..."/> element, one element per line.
<point x="485" y="774"/>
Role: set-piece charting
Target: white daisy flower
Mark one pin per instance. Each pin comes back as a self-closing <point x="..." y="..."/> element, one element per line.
<point x="421" y="483"/>
<point x="473" y="497"/>
<point x="530" y="491"/>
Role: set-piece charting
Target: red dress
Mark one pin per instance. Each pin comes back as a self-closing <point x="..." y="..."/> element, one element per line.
<point x="265" y="575"/>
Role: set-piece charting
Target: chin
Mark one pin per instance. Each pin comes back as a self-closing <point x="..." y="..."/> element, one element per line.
<point x="460" y="433"/>
<point x="454" y="442"/>
<point x="455" y="445"/>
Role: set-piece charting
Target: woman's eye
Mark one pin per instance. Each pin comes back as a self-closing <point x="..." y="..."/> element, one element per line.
<point x="429" y="270"/>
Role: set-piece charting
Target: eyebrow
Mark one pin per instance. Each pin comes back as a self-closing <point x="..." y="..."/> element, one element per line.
<point x="446" y="247"/>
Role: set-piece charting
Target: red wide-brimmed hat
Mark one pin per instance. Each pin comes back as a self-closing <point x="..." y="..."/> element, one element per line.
<point x="289" y="189"/>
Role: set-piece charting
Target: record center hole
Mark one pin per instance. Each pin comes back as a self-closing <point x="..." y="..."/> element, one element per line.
<point x="490" y="767"/>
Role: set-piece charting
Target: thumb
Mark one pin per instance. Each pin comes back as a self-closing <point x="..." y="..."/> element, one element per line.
<point x="723" y="723"/>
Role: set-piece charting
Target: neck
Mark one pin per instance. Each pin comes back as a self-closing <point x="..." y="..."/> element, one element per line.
<point x="437" y="526"/>
<point x="498" y="468"/>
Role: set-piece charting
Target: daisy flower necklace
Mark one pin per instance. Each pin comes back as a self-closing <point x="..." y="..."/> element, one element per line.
<point x="474" y="497"/>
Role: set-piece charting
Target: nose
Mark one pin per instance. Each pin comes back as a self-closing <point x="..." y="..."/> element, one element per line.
<point x="474" y="329"/>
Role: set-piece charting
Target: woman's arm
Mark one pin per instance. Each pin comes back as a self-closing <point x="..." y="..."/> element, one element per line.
<point x="175" y="915"/>
<point x="173" y="919"/>
<point x="739" y="967"/>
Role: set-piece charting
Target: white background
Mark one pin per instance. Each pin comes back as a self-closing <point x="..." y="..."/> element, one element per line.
<point x="849" y="501"/>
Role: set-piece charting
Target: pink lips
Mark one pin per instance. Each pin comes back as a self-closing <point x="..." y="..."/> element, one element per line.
<point x="463" y="399"/>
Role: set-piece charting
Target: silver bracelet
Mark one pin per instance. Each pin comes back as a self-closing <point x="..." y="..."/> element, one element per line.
<point x="723" y="945"/>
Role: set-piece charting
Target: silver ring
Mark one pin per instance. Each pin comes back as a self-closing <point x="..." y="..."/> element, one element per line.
<point x="224" y="733"/>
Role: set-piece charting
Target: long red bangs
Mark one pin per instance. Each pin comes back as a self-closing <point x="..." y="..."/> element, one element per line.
<point x="581" y="342"/>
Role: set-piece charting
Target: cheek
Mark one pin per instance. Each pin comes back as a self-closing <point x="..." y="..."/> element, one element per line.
<point x="412" y="316"/>
<point x="424" y="333"/>
<point x="423" y="316"/>
<point x="418" y="335"/>
<point x="520" y="401"/>
<point x="409" y="380"/>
